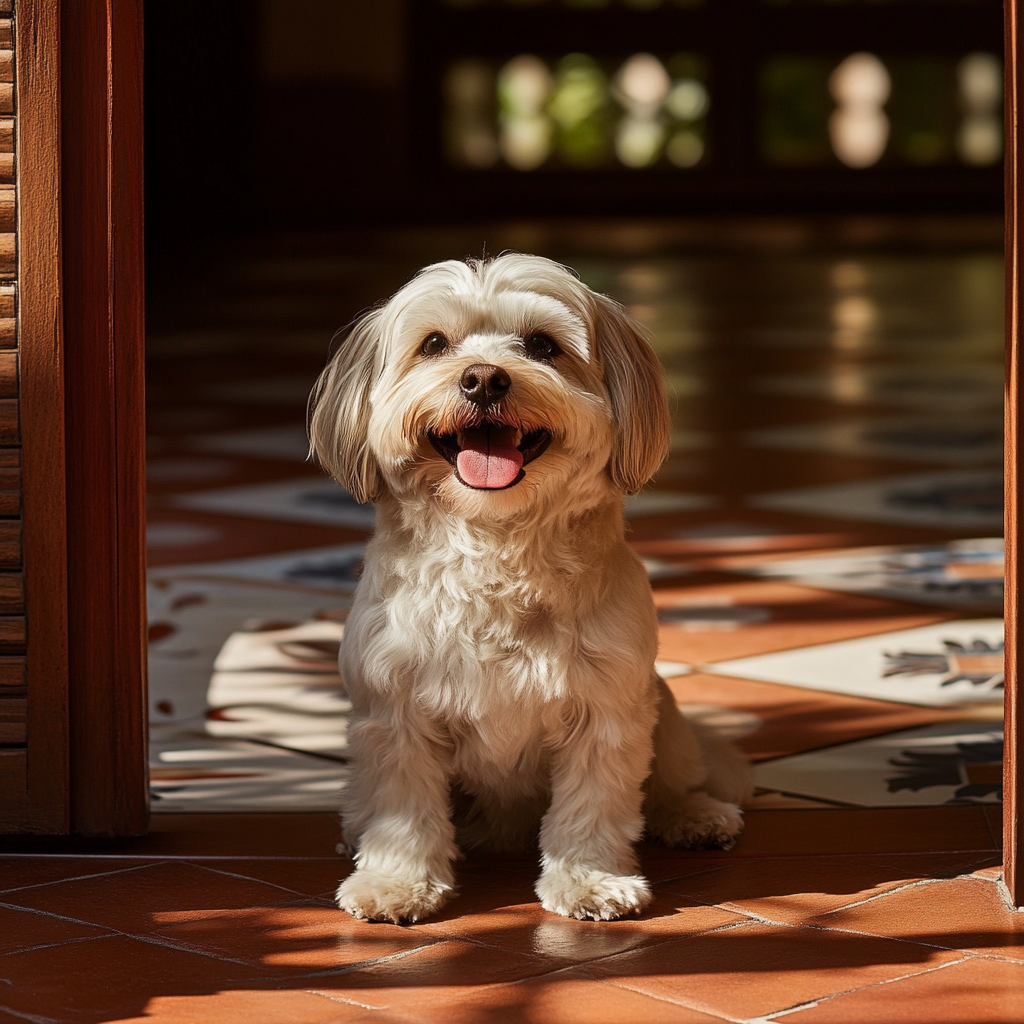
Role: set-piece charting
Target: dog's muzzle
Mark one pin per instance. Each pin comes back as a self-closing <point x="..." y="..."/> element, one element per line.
<point x="490" y="456"/>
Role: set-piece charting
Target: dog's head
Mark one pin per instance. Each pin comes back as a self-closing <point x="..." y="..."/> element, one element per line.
<point x="491" y="386"/>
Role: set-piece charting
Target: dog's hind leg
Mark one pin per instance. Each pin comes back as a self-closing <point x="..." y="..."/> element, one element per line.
<point x="396" y="815"/>
<point x="698" y="782"/>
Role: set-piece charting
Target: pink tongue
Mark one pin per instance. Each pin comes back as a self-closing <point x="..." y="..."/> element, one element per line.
<point x="489" y="458"/>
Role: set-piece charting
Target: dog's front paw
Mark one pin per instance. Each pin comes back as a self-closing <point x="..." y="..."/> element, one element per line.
<point x="593" y="895"/>
<point x="699" y="821"/>
<point x="373" y="896"/>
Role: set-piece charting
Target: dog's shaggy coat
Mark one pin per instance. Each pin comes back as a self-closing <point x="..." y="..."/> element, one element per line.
<point x="500" y="651"/>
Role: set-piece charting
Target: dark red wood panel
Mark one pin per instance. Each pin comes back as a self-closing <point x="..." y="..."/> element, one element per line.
<point x="101" y="68"/>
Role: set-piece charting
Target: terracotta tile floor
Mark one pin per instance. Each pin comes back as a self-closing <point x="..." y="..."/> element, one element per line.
<point x="820" y="913"/>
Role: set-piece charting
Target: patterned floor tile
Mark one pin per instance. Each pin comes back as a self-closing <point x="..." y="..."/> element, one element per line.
<point x="332" y="568"/>
<point x="950" y="664"/>
<point x="945" y="763"/>
<point x="306" y="500"/>
<point x="769" y="720"/>
<point x="958" y="500"/>
<point x="709" y="622"/>
<point x="966" y="574"/>
<point x="191" y="618"/>
<point x="190" y="774"/>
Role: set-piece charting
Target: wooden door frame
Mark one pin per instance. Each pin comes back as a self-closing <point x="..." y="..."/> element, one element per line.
<point x="1013" y="763"/>
<point x="104" y="354"/>
<point x="73" y="279"/>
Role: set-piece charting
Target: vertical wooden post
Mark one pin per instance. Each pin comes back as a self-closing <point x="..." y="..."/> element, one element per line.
<point x="101" y="71"/>
<point x="44" y="672"/>
<point x="1013" y="763"/>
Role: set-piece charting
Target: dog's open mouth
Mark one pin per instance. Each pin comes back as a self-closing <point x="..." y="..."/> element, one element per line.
<point x="490" y="456"/>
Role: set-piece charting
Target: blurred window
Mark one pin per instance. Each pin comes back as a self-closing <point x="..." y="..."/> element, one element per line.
<point x="577" y="112"/>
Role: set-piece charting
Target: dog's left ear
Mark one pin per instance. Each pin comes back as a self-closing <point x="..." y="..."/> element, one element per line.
<point x="338" y="415"/>
<point x="636" y="386"/>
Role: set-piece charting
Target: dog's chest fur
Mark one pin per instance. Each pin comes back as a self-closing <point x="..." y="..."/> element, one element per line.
<point x="502" y="645"/>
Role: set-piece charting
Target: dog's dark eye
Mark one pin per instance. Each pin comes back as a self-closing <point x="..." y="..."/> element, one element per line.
<point x="434" y="344"/>
<point x="542" y="347"/>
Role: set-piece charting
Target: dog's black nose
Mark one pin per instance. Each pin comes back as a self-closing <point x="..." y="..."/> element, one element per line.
<point x="483" y="383"/>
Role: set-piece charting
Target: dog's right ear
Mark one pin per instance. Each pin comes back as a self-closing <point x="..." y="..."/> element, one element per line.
<point x="339" y="411"/>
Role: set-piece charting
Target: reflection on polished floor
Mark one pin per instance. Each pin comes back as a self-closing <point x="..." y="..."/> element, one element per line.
<point x="823" y="544"/>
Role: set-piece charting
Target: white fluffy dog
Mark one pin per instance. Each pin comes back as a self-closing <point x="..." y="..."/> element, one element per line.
<point x="500" y="651"/>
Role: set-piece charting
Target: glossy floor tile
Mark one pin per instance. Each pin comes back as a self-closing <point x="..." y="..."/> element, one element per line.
<point x="832" y="482"/>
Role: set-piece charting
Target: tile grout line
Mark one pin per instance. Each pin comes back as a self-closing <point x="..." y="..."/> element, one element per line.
<point x="344" y="1002"/>
<point x="361" y="965"/>
<point x="78" y="878"/>
<point x="112" y="932"/>
<point x="768" y="1017"/>
<point x="673" y="1002"/>
<point x="249" y="878"/>
<point x="31" y="1017"/>
<point x="878" y="935"/>
<point x="53" y="945"/>
<point x="888" y="892"/>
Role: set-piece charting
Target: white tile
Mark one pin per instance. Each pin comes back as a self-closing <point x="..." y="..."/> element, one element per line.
<point x="310" y="500"/>
<point x="965" y="574"/>
<point x="671" y="669"/>
<point x="281" y="686"/>
<point x="200" y="774"/>
<point x="948" y="763"/>
<point x="976" y="439"/>
<point x="969" y="500"/>
<point x="190" y="619"/>
<point x="949" y="664"/>
<point x="332" y="568"/>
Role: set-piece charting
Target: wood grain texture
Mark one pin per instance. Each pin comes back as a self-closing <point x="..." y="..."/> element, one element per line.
<point x="13" y="676"/>
<point x="104" y="413"/>
<point x="8" y="375"/>
<point x="7" y="221"/>
<point x="10" y="544"/>
<point x="13" y="724"/>
<point x="1013" y="769"/>
<point x="12" y="634"/>
<point x="12" y="593"/>
<point x="37" y="70"/>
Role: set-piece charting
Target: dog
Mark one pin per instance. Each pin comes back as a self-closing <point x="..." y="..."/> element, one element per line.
<point x="500" y="650"/>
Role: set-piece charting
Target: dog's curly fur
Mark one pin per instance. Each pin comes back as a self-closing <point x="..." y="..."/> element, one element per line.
<point x="500" y="651"/>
